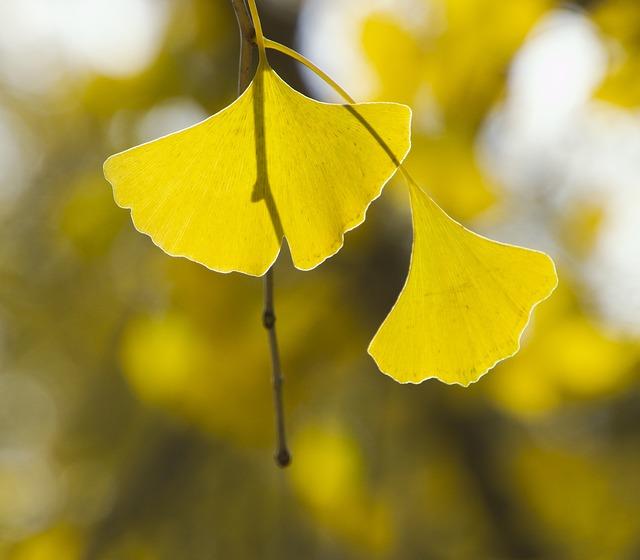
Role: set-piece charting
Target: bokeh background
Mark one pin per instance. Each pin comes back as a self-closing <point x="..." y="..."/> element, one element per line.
<point x="135" y="403"/>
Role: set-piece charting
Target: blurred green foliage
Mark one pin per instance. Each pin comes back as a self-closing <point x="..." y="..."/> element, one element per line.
<point x="135" y="400"/>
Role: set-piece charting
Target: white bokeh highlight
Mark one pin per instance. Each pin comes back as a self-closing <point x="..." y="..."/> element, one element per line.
<point x="42" y="42"/>
<point x="551" y="144"/>
<point x="329" y="33"/>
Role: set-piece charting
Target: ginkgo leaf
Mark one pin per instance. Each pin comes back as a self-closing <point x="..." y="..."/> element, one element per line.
<point x="273" y="164"/>
<point x="465" y="303"/>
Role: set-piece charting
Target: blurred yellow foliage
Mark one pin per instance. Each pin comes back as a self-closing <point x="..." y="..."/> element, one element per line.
<point x="161" y="355"/>
<point x="329" y="477"/>
<point x="151" y="432"/>
<point x="581" y="227"/>
<point x="171" y="363"/>
<point x="57" y="543"/>
<point x="192" y="362"/>
<point x="451" y="76"/>
<point x="88" y="219"/>
<point x="565" y="356"/>
<point x="573" y="494"/>
<point x="618" y="21"/>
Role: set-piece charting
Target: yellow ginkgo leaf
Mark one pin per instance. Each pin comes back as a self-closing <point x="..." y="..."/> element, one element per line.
<point x="465" y="303"/>
<point x="273" y="164"/>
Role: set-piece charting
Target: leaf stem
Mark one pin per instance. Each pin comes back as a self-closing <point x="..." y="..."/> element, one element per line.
<point x="259" y="36"/>
<point x="248" y="34"/>
<point x="274" y="45"/>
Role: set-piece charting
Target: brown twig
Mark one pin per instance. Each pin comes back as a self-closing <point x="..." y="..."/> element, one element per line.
<point x="282" y="456"/>
<point x="247" y="36"/>
<point x="247" y="41"/>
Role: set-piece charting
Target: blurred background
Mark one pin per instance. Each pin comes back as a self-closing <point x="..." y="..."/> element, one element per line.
<point x="135" y="402"/>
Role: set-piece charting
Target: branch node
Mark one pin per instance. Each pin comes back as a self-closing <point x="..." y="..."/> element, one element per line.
<point x="268" y="319"/>
<point x="283" y="458"/>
